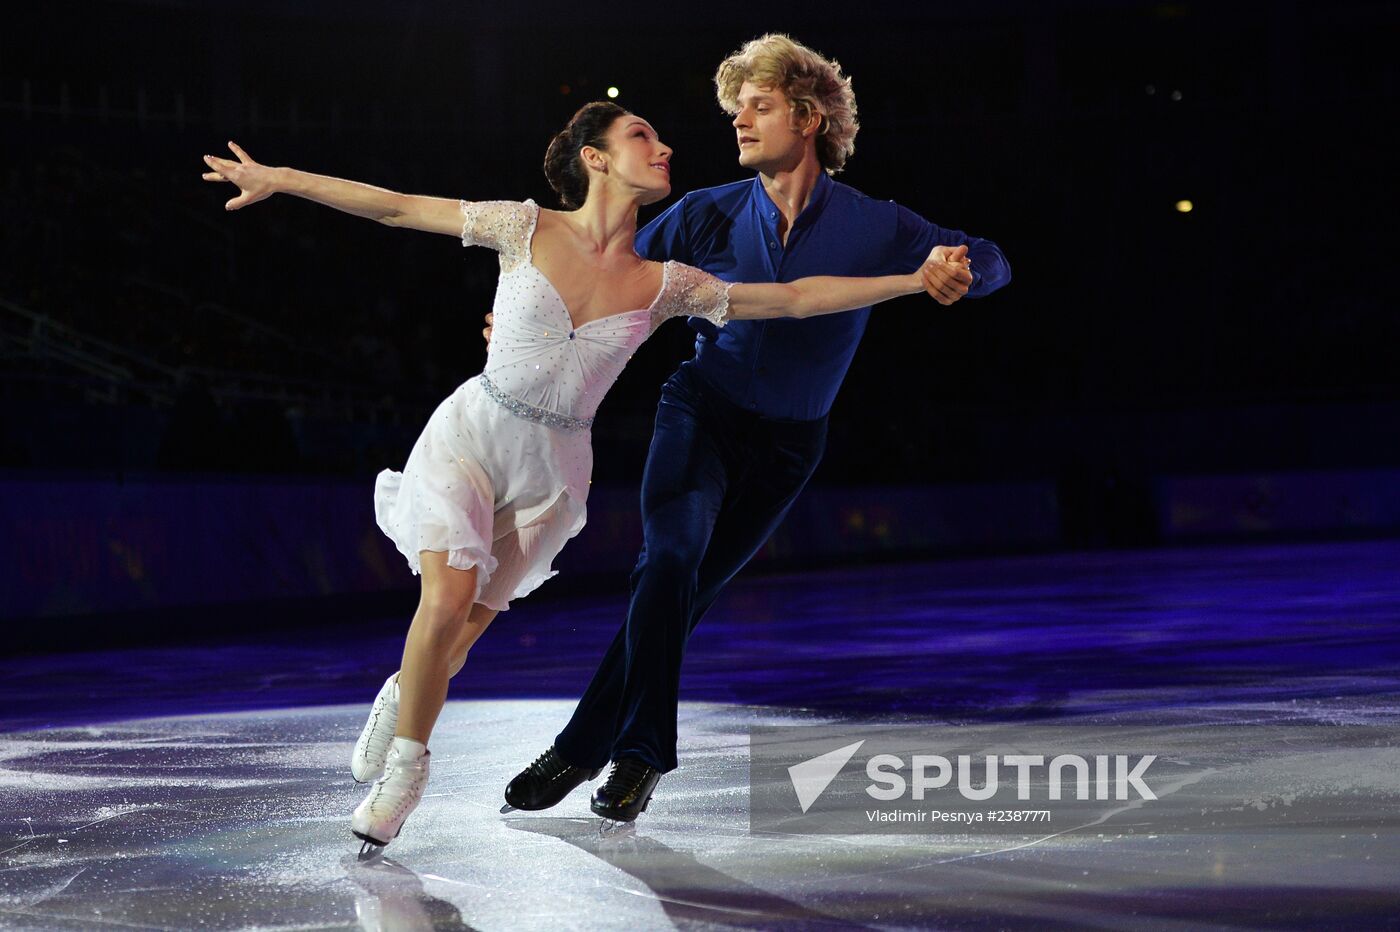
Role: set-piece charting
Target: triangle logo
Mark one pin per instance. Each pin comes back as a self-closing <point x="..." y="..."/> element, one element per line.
<point x="811" y="777"/>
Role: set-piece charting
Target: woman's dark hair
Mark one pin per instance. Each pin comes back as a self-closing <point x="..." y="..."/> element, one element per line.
<point x="562" y="164"/>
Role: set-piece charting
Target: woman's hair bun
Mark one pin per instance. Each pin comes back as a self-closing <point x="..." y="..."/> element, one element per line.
<point x="563" y="166"/>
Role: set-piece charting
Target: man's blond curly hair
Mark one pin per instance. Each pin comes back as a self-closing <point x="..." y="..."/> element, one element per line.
<point x="810" y="81"/>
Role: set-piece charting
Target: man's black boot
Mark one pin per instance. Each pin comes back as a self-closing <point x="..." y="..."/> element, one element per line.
<point x="545" y="782"/>
<point x="627" y="791"/>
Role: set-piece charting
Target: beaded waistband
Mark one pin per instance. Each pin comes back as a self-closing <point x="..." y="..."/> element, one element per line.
<point x="531" y="413"/>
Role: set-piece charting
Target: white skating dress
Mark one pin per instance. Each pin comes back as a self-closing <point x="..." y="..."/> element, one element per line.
<point x="499" y="477"/>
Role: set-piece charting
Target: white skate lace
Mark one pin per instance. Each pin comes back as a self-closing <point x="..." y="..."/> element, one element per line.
<point x="395" y="794"/>
<point x="372" y="748"/>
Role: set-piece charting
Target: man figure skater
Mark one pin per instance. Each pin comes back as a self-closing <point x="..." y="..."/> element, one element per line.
<point x="741" y="426"/>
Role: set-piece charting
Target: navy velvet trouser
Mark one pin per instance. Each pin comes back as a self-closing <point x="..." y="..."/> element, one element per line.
<point x="718" y="481"/>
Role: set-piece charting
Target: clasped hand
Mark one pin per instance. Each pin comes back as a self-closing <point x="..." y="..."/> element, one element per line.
<point x="947" y="274"/>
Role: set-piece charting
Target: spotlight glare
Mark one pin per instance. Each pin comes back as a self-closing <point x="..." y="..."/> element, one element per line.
<point x="1184" y="207"/>
<point x="612" y="92"/>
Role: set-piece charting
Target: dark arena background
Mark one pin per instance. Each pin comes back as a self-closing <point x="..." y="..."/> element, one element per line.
<point x="1149" y="490"/>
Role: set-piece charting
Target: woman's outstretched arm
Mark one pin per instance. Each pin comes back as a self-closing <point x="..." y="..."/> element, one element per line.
<point x="829" y="294"/>
<point x="256" y="182"/>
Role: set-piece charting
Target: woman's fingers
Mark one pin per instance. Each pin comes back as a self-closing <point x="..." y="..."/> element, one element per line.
<point x="236" y="172"/>
<point x="215" y="173"/>
<point x="219" y="165"/>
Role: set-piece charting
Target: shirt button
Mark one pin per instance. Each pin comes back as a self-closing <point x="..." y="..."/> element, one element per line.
<point x="772" y="245"/>
<point x="572" y="334"/>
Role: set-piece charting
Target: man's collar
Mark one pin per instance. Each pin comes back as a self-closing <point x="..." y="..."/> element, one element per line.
<point x="815" y="201"/>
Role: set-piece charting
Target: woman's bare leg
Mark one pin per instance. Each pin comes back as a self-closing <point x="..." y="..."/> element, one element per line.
<point x="444" y="628"/>
<point x="477" y="623"/>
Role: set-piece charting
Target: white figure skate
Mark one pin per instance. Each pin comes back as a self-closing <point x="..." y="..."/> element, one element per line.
<point x="393" y="797"/>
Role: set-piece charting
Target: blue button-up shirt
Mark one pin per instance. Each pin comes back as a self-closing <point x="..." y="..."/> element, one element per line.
<point x="785" y="367"/>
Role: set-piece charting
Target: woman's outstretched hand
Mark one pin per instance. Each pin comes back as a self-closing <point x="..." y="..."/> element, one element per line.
<point x="947" y="273"/>
<point x="255" y="182"/>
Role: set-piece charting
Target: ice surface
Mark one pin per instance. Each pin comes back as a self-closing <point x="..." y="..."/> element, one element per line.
<point x="240" y="821"/>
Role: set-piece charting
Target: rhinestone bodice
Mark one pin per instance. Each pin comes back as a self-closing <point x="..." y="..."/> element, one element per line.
<point x="536" y="356"/>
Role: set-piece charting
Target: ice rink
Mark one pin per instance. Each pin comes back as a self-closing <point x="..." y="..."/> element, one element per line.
<point x="207" y="787"/>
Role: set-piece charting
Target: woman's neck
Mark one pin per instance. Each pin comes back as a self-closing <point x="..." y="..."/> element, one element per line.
<point x="606" y="223"/>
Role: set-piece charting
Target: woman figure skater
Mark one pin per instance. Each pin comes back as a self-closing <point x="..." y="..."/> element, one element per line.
<point x="498" y="480"/>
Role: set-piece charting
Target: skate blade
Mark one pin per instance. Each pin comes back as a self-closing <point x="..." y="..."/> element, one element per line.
<point x="611" y="828"/>
<point x="372" y="847"/>
<point x="370" y="851"/>
<point x="508" y="808"/>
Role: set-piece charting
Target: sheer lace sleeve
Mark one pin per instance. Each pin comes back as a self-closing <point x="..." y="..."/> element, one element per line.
<point x="505" y="226"/>
<point x="691" y="292"/>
